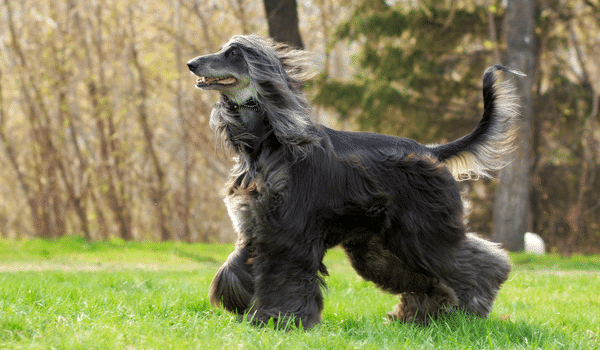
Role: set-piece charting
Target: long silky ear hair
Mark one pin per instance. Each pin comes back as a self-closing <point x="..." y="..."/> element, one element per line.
<point x="279" y="72"/>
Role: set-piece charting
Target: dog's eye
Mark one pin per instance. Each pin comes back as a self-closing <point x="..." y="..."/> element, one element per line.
<point x="234" y="52"/>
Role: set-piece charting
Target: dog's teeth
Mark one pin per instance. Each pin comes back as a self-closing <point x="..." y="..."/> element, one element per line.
<point x="210" y="81"/>
<point x="204" y="80"/>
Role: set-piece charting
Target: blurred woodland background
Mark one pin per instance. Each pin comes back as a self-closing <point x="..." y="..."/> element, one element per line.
<point x="102" y="133"/>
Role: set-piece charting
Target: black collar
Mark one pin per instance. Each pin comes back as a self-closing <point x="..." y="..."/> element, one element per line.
<point x="251" y="104"/>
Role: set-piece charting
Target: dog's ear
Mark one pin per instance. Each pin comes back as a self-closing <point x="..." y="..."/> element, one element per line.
<point x="282" y="98"/>
<point x="293" y="127"/>
<point x="297" y="65"/>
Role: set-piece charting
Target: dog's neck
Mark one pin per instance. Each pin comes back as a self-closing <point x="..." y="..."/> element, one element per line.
<point x="251" y="127"/>
<point x="250" y="104"/>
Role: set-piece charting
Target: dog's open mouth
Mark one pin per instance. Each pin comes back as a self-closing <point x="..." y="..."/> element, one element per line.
<point x="206" y="81"/>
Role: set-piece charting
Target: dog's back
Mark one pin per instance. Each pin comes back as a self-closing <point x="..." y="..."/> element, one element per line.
<point x="348" y="142"/>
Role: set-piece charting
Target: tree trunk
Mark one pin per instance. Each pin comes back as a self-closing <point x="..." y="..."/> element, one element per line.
<point x="282" y="16"/>
<point x="512" y="209"/>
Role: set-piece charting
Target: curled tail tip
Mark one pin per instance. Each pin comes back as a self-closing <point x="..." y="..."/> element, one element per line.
<point x="486" y="149"/>
<point x="498" y="67"/>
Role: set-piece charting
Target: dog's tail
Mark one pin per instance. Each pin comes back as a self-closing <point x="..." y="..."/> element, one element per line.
<point x="486" y="147"/>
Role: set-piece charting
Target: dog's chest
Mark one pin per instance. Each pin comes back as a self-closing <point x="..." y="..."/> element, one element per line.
<point x="253" y="197"/>
<point x="238" y="208"/>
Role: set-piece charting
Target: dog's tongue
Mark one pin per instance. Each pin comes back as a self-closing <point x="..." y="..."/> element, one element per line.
<point x="227" y="81"/>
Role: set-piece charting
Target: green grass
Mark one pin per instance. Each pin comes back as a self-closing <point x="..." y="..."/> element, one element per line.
<point x="117" y="295"/>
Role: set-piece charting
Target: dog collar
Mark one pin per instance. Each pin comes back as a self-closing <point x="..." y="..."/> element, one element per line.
<point x="251" y="104"/>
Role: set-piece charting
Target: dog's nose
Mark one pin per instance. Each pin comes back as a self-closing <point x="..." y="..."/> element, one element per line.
<point x="192" y="65"/>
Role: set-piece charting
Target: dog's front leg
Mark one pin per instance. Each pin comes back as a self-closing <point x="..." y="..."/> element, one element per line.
<point x="233" y="285"/>
<point x="287" y="285"/>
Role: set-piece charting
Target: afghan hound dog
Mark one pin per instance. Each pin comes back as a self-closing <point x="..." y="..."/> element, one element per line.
<point x="299" y="188"/>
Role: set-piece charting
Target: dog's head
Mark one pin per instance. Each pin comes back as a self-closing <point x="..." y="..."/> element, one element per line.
<point x="252" y="71"/>
<point x="225" y="71"/>
<point x="250" y="67"/>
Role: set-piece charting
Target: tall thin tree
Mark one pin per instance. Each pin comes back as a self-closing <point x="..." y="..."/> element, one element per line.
<point x="512" y="208"/>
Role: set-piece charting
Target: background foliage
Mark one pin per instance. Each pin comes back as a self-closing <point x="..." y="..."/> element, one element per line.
<point x="419" y="64"/>
<point x="102" y="134"/>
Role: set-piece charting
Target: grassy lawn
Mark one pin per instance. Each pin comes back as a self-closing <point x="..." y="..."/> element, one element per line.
<point x="71" y="294"/>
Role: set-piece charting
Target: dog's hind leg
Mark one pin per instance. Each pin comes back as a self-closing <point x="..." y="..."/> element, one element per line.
<point x="233" y="285"/>
<point x="421" y="307"/>
<point x="476" y="273"/>
<point x="421" y="296"/>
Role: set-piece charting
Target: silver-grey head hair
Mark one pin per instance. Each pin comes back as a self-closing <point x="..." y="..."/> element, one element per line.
<point x="279" y="73"/>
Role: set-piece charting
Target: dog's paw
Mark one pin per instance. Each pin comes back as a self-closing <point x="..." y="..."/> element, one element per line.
<point x="405" y="311"/>
<point x="282" y="321"/>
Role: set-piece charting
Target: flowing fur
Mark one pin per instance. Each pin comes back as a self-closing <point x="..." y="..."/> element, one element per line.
<point x="298" y="189"/>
